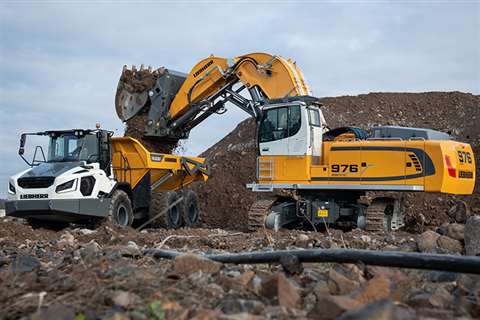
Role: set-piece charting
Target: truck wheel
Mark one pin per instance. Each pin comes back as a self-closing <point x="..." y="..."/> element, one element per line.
<point x="164" y="202"/>
<point x="120" y="211"/>
<point x="191" y="212"/>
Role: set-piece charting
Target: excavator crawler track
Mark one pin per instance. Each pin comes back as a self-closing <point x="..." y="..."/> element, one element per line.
<point x="375" y="216"/>
<point x="258" y="213"/>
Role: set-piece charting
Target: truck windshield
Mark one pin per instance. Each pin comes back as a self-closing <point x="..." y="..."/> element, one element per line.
<point x="69" y="147"/>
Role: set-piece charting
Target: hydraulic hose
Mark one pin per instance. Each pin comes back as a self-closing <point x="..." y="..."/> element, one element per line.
<point x="412" y="260"/>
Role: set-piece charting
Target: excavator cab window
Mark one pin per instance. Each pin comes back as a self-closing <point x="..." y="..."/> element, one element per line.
<point x="314" y="116"/>
<point x="280" y="123"/>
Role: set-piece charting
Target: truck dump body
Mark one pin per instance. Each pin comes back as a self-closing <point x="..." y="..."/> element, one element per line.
<point x="131" y="162"/>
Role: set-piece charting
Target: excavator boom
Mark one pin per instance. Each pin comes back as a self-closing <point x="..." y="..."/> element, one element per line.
<point x="175" y="102"/>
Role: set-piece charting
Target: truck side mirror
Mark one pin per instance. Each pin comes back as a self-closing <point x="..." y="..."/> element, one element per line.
<point x="23" y="139"/>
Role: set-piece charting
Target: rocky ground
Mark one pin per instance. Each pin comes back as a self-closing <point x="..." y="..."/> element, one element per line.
<point x="79" y="273"/>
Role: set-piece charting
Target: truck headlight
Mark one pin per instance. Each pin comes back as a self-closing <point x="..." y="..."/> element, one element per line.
<point x="65" y="186"/>
<point x="86" y="185"/>
<point x="11" y="188"/>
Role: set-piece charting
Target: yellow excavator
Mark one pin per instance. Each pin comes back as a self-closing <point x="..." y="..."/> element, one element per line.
<point x="323" y="173"/>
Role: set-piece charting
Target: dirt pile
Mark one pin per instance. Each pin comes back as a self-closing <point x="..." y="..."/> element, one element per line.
<point x="225" y="199"/>
<point x="104" y="274"/>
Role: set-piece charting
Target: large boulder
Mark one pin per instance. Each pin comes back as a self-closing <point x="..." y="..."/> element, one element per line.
<point x="472" y="236"/>
<point x="340" y="284"/>
<point x="427" y="241"/>
<point x="288" y="292"/>
<point x="191" y="263"/>
<point x="448" y="245"/>
<point x="455" y="231"/>
<point x="432" y="242"/>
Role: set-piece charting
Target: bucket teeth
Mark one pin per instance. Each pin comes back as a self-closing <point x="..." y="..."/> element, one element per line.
<point x="149" y="68"/>
<point x="160" y="71"/>
<point x="134" y="68"/>
<point x="142" y="67"/>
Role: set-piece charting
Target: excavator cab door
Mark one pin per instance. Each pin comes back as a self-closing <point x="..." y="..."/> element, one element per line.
<point x="273" y="132"/>
<point x="315" y="126"/>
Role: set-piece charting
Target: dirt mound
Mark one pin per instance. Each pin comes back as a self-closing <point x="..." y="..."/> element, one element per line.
<point x="225" y="200"/>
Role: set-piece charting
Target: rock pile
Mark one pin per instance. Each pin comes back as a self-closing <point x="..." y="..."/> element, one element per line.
<point x="84" y="274"/>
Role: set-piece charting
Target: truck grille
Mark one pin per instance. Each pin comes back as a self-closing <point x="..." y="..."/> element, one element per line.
<point x="36" y="182"/>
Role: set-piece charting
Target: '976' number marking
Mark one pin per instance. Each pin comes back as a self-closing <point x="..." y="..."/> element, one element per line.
<point x="464" y="157"/>
<point x="344" y="168"/>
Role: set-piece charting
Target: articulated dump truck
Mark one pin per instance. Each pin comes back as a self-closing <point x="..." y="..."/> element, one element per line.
<point x="88" y="176"/>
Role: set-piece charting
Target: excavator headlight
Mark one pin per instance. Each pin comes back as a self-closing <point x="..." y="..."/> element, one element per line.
<point x="66" y="186"/>
<point x="11" y="188"/>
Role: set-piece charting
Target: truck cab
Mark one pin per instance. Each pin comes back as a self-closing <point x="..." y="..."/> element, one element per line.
<point x="73" y="177"/>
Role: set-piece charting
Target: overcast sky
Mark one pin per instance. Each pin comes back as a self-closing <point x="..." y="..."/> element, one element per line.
<point x="60" y="61"/>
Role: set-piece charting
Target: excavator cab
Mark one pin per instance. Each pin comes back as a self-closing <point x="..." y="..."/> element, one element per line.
<point x="291" y="127"/>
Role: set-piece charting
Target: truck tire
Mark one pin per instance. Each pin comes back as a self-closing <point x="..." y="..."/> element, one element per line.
<point x="191" y="211"/>
<point x="172" y="217"/>
<point x="120" y="211"/>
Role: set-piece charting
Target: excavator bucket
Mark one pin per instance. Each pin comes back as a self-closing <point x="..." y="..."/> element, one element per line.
<point x="132" y="90"/>
<point x="143" y="99"/>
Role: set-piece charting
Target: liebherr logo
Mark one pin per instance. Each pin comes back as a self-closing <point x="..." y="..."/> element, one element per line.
<point x="209" y="63"/>
<point x="34" y="196"/>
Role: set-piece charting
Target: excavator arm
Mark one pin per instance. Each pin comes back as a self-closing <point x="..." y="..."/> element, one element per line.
<point x="173" y="103"/>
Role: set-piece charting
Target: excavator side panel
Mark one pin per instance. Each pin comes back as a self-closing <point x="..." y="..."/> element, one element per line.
<point x="454" y="167"/>
<point x="414" y="165"/>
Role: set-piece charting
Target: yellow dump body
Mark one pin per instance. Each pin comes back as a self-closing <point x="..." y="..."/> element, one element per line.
<point x="131" y="162"/>
<point x="412" y="165"/>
